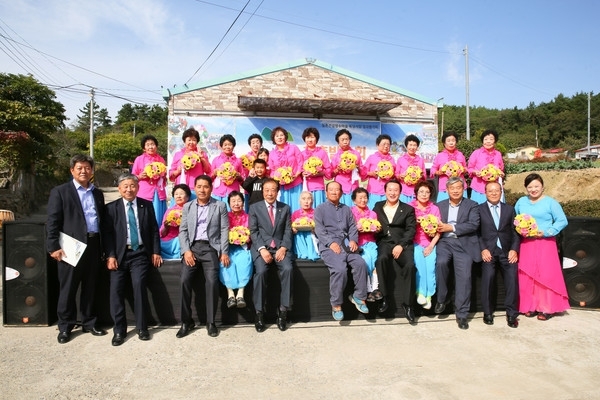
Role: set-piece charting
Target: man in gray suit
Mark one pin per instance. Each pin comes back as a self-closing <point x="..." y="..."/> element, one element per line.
<point x="204" y="240"/>
<point x="271" y="233"/>
<point x="458" y="247"/>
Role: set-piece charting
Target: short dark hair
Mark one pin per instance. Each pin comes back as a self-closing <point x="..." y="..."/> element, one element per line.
<point x="262" y="150"/>
<point x="447" y="134"/>
<point x="228" y="138"/>
<point x="81" y="158"/>
<point x="255" y="136"/>
<point x="183" y="187"/>
<point x="270" y="180"/>
<point x="259" y="161"/>
<point x="393" y="180"/>
<point x="203" y="177"/>
<point x="190" y="132"/>
<point x="412" y="138"/>
<point x="342" y="132"/>
<point x="427" y="184"/>
<point x="383" y="137"/>
<point x="274" y="131"/>
<point x="311" y="131"/>
<point x="358" y="190"/>
<point x="533" y="177"/>
<point x="145" y="138"/>
<point x="489" y="132"/>
<point x="234" y="194"/>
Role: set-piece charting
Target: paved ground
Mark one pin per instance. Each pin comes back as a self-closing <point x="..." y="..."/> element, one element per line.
<point x="557" y="359"/>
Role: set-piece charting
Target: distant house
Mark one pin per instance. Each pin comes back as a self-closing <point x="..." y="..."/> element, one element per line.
<point x="588" y="153"/>
<point x="525" y="153"/>
<point x="553" y="153"/>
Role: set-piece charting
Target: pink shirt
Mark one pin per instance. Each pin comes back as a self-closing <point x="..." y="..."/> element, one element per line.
<point x="346" y="178"/>
<point x="221" y="189"/>
<point x="374" y="184"/>
<point x="251" y="155"/>
<point x="187" y="176"/>
<point x="317" y="182"/>
<point x="149" y="186"/>
<point x="172" y="231"/>
<point x="364" y="237"/>
<point x="310" y="213"/>
<point x="240" y="219"/>
<point x="442" y="158"/>
<point x="479" y="159"/>
<point x="421" y="238"/>
<point x="289" y="156"/>
<point x="404" y="162"/>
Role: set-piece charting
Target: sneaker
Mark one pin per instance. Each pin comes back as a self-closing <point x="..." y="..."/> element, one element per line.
<point x="360" y="305"/>
<point x="338" y="315"/>
<point x="427" y="304"/>
<point x="421" y="299"/>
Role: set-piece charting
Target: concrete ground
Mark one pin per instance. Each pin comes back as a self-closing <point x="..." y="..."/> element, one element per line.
<point x="556" y="359"/>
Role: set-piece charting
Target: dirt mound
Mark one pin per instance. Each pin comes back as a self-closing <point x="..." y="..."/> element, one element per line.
<point x="581" y="184"/>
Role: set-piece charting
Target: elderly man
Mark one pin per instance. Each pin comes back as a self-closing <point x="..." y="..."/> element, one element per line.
<point x="458" y="247"/>
<point x="336" y="230"/>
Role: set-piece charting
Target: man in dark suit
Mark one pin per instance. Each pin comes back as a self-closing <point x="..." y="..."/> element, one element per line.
<point x="271" y="233"/>
<point x="204" y="240"/>
<point x="395" y="248"/>
<point x="458" y="247"/>
<point x="499" y="242"/>
<point x="132" y="247"/>
<point x="77" y="209"/>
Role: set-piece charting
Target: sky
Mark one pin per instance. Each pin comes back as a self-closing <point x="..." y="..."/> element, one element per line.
<point x="519" y="52"/>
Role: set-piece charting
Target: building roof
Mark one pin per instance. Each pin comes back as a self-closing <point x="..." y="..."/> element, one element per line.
<point x="298" y="63"/>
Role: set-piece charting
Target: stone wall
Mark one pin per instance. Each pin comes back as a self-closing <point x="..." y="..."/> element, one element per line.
<point x="18" y="194"/>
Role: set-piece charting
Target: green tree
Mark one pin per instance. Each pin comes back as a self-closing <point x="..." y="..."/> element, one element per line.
<point x="102" y="121"/>
<point x="116" y="148"/>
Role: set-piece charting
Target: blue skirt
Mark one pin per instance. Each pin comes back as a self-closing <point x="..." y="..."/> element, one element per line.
<point x="374" y="198"/>
<point x="160" y="208"/>
<point x="239" y="272"/>
<point x="347" y="199"/>
<point x="406" y="199"/>
<point x="478" y="197"/>
<point x="369" y="254"/>
<point x="170" y="249"/>
<point x="291" y="197"/>
<point x="304" y="246"/>
<point x="318" y="197"/>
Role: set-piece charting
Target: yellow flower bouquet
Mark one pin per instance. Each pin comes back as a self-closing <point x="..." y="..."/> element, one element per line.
<point x="452" y="169"/>
<point x="247" y="161"/>
<point x="348" y="161"/>
<point x="413" y="175"/>
<point x="227" y="173"/>
<point x="385" y="169"/>
<point x="174" y="217"/>
<point x="155" y="170"/>
<point x="189" y="160"/>
<point x="526" y="226"/>
<point x="313" y="165"/>
<point x="239" y="235"/>
<point x="490" y="173"/>
<point x="303" y="224"/>
<point x="429" y="223"/>
<point x="283" y="175"/>
<point x="369" y="224"/>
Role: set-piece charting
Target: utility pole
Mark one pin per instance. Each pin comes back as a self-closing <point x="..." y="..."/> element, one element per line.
<point x="92" y="123"/>
<point x="466" y="53"/>
<point x="589" y="118"/>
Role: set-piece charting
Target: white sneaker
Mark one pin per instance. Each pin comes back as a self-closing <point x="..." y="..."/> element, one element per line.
<point x="427" y="304"/>
<point x="421" y="299"/>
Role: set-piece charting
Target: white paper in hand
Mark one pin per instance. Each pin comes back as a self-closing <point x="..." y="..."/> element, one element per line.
<point x="72" y="248"/>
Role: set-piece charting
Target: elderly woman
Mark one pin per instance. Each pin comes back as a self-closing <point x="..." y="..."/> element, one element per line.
<point x="190" y="161"/>
<point x="151" y="171"/>
<point x="315" y="179"/>
<point x="169" y="228"/>
<point x="378" y="169"/>
<point x="407" y="167"/>
<point x="479" y="162"/>
<point x="285" y="163"/>
<point x="448" y="163"/>
<point x="345" y="165"/>
<point x="542" y="289"/>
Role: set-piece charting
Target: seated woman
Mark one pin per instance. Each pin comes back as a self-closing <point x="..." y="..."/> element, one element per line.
<point x="169" y="228"/>
<point x="366" y="239"/>
<point x="239" y="271"/>
<point x="303" y="224"/>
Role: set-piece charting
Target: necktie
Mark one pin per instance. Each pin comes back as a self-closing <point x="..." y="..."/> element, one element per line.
<point x="133" y="231"/>
<point x="272" y="216"/>
<point x="496" y="217"/>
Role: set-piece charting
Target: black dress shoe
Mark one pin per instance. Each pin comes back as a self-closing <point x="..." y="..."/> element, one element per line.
<point x="118" y="339"/>
<point x="212" y="330"/>
<point x="513" y="322"/>
<point x="186" y="327"/>
<point x="440" y="307"/>
<point x="488" y="319"/>
<point x="282" y="320"/>
<point x="94" y="331"/>
<point x="259" y="324"/>
<point x="63" y="337"/>
<point x="143" y="334"/>
<point x="383" y="306"/>
<point x="462" y="323"/>
<point x="409" y="313"/>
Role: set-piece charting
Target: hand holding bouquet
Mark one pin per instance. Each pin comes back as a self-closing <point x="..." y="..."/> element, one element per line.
<point x="429" y="223"/>
<point x="413" y="175"/>
<point x="248" y="162"/>
<point x="385" y="169"/>
<point x="452" y="169"/>
<point x="348" y="161"/>
<point x="312" y="165"/>
<point x="283" y="175"/>
<point x="189" y="160"/>
<point x="490" y="173"/>
<point x="303" y="224"/>
<point x="227" y="173"/>
<point x="155" y="170"/>
<point x="526" y="226"/>
<point x="368" y="225"/>
<point x="173" y="218"/>
<point x="239" y="235"/>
